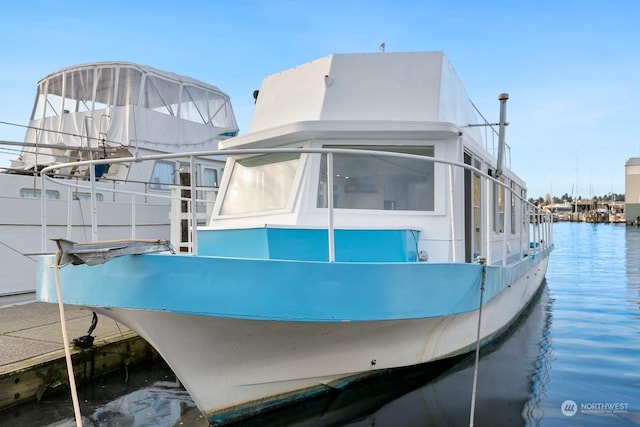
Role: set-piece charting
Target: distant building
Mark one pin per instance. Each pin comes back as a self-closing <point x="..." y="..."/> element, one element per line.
<point x="632" y="189"/>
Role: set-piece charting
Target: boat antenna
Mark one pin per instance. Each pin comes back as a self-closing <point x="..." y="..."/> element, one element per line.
<point x="501" y="130"/>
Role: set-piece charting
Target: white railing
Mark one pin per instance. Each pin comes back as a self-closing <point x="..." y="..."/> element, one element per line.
<point x="538" y="233"/>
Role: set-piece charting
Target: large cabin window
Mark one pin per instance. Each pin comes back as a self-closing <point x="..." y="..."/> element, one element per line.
<point x="260" y="183"/>
<point x="368" y="181"/>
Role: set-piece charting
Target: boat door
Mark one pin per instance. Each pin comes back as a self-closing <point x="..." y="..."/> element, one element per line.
<point x="472" y="210"/>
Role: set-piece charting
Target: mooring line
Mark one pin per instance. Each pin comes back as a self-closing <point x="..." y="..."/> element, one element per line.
<point x="65" y="340"/>
<point x="472" y="414"/>
<point x="11" y="248"/>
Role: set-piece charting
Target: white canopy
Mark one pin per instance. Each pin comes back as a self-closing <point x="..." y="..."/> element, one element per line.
<point x="121" y="104"/>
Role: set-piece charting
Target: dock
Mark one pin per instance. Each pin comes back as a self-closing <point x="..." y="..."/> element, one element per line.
<point x="32" y="360"/>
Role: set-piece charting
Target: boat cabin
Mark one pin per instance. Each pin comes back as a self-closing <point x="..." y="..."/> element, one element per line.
<point x="409" y="179"/>
<point x="117" y="109"/>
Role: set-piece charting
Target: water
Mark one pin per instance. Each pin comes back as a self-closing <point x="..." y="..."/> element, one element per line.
<point x="572" y="360"/>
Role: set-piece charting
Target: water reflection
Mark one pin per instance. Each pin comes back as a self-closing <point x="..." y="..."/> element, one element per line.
<point x="508" y="372"/>
<point x="150" y="397"/>
<point x="160" y="404"/>
<point x="594" y="281"/>
<point x="632" y="257"/>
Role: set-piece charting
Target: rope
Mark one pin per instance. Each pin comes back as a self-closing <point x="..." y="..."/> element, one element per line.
<point x="65" y="339"/>
<point x="16" y="251"/>
<point x="472" y="414"/>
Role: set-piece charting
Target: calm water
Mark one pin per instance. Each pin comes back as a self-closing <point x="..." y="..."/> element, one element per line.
<point x="572" y="360"/>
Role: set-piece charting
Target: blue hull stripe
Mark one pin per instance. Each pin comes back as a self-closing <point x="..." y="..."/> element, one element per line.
<point x="277" y="290"/>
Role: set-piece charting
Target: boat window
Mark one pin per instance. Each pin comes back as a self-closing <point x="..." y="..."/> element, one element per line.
<point x="498" y="206"/>
<point x="40" y="104"/>
<point x="162" y="176"/>
<point x="129" y="81"/>
<point x="105" y="87"/>
<point x="53" y="103"/>
<point x="161" y="95"/>
<point x="209" y="177"/>
<point x="380" y="182"/>
<point x="220" y="111"/>
<point x="78" y="91"/>
<point x="206" y="107"/>
<point x="35" y="193"/>
<point x="84" y="196"/>
<point x="512" y="196"/>
<point x="260" y="183"/>
<point x="194" y="105"/>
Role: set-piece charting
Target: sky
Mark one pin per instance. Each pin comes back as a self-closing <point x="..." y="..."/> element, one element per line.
<point x="571" y="67"/>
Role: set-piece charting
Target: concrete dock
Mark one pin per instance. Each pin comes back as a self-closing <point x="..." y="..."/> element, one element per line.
<point x="32" y="352"/>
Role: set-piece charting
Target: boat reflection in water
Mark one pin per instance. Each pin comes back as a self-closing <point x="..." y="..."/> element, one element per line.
<point x="150" y="396"/>
<point x="160" y="404"/>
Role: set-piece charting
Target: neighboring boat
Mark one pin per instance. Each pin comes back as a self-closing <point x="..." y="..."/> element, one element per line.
<point x="616" y="212"/>
<point x="561" y="211"/>
<point x="105" y="110"/>
<point x="362" y="225"/>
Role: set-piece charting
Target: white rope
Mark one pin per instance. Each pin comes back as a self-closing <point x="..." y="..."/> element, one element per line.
<point x="65" y="340"/>
<point x="472" y="414"/>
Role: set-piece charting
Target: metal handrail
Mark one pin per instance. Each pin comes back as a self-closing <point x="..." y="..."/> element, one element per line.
<point x="530" y="210"/>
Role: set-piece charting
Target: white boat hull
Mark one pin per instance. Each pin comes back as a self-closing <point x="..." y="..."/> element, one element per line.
<point x="241" y="366"/>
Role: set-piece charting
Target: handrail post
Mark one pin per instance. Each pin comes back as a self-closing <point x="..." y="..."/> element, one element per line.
<point x="507" y="214"/>
<point x="43" y="210"/>
<point x="332" y="255"/>
<point x="521" y="223"/>
<point x="489" y="218"/>
<point x="194" y="217"/>
<point x="453" y="226"/>
<point x="93" y="204"/>
<point x="69" y="212"/>
<point x="133" y="216"/>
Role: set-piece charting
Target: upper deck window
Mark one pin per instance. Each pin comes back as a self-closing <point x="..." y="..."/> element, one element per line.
<point x="73" y="91"/>
<point x="129" y="81"/>
<point x="161" y="95"/>
<point x="260" y="183"/>
<point x="371" y="181"/>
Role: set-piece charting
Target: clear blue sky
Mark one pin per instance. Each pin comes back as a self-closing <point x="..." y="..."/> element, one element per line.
<point x="572" y="67"/>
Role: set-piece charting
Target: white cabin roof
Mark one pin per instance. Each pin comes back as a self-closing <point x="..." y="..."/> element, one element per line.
<point x="400" y="87"/>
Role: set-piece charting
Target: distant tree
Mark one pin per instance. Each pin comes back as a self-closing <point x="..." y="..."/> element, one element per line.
<point x="566" y="198"/>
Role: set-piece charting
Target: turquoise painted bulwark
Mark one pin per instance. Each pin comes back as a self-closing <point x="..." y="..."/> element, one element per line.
<point x="310" y="244"/>
<point x="268" y="289"/>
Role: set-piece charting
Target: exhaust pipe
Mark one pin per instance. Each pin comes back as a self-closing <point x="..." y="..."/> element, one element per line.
<point x="502" y="125"/>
